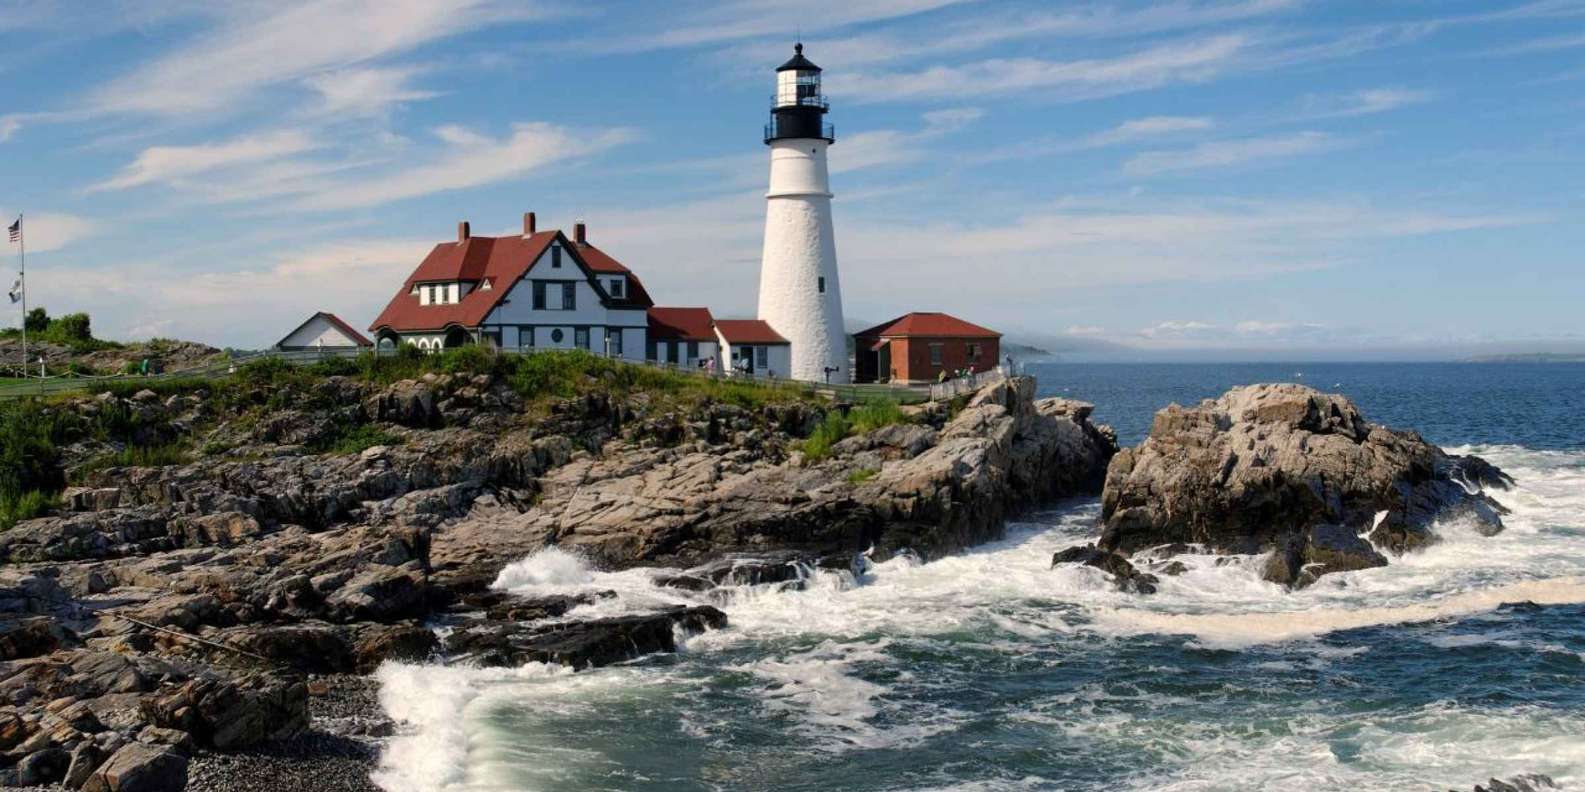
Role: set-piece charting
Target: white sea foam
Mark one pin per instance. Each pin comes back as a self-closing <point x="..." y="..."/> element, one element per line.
<point x="824" y="664"/>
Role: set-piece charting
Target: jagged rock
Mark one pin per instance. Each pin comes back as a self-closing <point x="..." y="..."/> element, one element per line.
<point x="30" y="637"/>
<point x="85" y="759"/>
<point x="1266" y="463"/>
<point x="1529" y="782"/>
<point x="379" y="643"/>
<point x="224" y="714"/>
<point x="584" y="644"/>
<point x="1123" y="574"/>
<point x="379" y="593"/>
<point x="140" y="768"/>
<point x="1298" y="560"/>
<point x="43" y="767"/>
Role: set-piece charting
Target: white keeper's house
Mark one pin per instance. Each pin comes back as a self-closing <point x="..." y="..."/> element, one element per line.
<point x="537" y="290"/>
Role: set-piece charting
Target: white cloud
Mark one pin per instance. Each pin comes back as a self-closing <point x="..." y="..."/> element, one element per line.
<point x="1166" y="64"/>
<point x="47" y="231"/>
<point x="716" y="22"/>
<point x="253" y="308"/>
<point x="1177" y="329"/>
<point x="174" y="164"/>
<point x="361" y="92"/>
<point x="1358" y="103"/>
<point x="1228" y="153"/>
<point x="470" y="160"/>
<point x="1154" y="126"/>
<point x="264" y="44"/>
<point x="881" y="147"/>
<point x="1087" y="331"/>
<point x="9" y="125"/>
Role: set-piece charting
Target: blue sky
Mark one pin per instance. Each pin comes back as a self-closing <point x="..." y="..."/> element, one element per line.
<point x="1262" y="177"/>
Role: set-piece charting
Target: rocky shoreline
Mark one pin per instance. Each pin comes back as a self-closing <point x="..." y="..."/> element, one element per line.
<point x="196" y="624"/>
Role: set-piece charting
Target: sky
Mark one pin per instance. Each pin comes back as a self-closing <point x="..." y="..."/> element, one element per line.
<point x="1278" y="178"/>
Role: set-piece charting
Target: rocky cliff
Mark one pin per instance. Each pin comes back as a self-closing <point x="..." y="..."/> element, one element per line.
<point x="326" y="525"/>
<point x="1289" y="470"/>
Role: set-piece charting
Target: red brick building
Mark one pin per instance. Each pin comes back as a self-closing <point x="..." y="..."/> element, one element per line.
<point x="918" y="347"/>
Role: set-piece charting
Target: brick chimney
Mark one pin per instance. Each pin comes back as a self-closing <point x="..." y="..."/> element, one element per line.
<point x="462" y="231"/>
<point x="528" y="224"/>
<point x="580" y="233"/>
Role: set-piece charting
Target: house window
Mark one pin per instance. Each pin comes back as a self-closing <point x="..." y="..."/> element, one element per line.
<point x="539" y="296"/>
<point x="616" y="287"/>
<point x="822" y="284"/>
<point x="974" y="351"/>
<point x="671" y="351"/>
<point x="555" y="257"/>
<point x="935" y="354"/>
<point x="650" y="349"/>
<point x="761" y="356"/>
<point x="580" y="337"/>
<point x="556" y="335"/>
<point x="693" y="350"/>
<point x="525" y="335"/>
<point x="569" y="297"/>
<point x="613" y="341"/>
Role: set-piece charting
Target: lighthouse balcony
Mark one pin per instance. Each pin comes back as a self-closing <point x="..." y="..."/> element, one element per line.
<point x="785" y="99"/>
<point x="790" y="128"/>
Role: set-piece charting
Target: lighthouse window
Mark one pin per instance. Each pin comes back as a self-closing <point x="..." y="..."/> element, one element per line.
<point x="822" y="285"/>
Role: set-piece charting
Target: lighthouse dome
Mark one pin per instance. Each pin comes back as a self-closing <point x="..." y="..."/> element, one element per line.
<point x="798" y="61"/>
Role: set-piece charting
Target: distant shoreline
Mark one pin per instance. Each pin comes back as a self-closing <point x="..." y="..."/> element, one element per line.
<point x="1530" y="357"/>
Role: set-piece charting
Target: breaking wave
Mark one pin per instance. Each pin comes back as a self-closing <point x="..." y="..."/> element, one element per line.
<point x="989" y="670"/>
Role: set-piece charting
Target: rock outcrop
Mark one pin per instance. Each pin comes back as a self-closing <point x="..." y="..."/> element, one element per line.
<point x="179" y="608"/>
<point x="1290" y="470"/>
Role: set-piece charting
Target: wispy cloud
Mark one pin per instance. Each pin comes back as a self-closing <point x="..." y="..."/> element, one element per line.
<point x="1166" y="64"/>
<point x="261" y="45"/>
<point x="1544" y="44"/>
<point x="471" y="159"/>
<point x="881" y="147"/>
<point x="718" y="22"/>
<point x="1360" y="103"/>
<point x="359" y="92"/>
<point x="175" y="164"/>
<point x="1229" y="153"/>
<point x="1146" y="128"/>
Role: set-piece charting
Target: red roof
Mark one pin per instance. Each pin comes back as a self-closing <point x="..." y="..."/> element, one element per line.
<point x="499" y="261"/>
<point x="685" y="324"/>
<point x="748" y="331"/>
<point x="922" y="323"/>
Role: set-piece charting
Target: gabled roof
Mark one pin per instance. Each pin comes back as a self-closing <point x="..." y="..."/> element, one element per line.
<point x="499" y="261"/>
<point x="748" y="331"/>
<point x="355" y="336"/>
<point x="637" y="296"/>
<point x="682" y="324"/>
<point x="924" y="323"/>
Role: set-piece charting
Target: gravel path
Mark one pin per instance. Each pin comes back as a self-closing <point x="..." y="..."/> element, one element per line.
<point x="335" y="755"/>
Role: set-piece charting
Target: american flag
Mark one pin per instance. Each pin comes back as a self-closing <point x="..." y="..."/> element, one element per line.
<point x="16" y="230"/>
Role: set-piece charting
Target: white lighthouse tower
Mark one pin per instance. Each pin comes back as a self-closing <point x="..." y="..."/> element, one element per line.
<point x="800" y="293"/>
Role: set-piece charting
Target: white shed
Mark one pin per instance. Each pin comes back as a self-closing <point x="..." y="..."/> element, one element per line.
<point x="323" y="331"/>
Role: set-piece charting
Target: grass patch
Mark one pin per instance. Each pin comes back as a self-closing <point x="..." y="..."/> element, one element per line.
<point x="873" y="415"/>
<point x="26" y="506"/>
<point x="862" y="475"/>
<point x="830" y="432"/>
<point x="358" y="439"/>
<point x="136" y="456"/>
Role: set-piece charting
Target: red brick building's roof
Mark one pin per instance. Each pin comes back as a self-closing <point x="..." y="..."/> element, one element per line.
<point x="931" y="324"/>
<point x="748" y="331"/>
<point x="499" y="262"/>
<point x="685" y="324"/>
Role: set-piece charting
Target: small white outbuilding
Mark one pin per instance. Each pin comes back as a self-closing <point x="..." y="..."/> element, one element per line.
<point x="323" y="331"/>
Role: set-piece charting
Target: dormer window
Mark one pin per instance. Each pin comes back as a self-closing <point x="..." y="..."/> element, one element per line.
<point x="617" y="285"/>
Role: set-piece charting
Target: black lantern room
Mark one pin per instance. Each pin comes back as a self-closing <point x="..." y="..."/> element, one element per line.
<point x="798" y="109"/>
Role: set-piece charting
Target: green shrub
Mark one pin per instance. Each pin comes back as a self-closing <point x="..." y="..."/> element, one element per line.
<point x="830" y="431"/>
<point x="136" y="456"/>
<point x="28" y="457"/>
<point x="72" y="327"/>
<point x="37" y="320"/>
<point x="862" y="475"/>
<point x="356" y="440"/>
<point x="873" y="415"/>
<point x="26" y="506"/>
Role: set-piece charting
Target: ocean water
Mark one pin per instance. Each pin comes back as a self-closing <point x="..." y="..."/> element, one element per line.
<point x="990" y="671"/>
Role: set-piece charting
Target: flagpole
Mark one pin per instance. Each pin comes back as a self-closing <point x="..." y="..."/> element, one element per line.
<point x="22" y="239"/>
